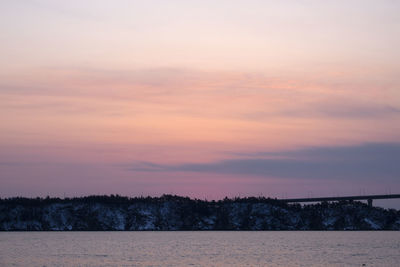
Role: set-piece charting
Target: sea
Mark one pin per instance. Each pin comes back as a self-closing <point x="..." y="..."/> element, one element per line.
<point x="201" y="248"/>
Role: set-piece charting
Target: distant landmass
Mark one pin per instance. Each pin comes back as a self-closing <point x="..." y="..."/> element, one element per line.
<point x="168" y="212"/>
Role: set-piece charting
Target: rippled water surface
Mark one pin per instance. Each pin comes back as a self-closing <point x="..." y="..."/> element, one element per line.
<point x="200" y="249"/>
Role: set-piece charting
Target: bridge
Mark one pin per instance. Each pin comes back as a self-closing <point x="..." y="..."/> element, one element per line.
<point x="369" y="198"/>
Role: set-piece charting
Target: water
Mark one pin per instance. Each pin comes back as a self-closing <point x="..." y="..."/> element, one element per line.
<point x="200" y="249"/>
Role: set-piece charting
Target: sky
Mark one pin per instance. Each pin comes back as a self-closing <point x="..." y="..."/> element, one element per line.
<point x="205" y="99"/>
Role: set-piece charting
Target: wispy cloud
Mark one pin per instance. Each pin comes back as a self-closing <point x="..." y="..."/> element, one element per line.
<point x="330" y="108"/>
<point x="375" y="161"/>
<point x="239" y="95"/>
<point x="345" y="108"/>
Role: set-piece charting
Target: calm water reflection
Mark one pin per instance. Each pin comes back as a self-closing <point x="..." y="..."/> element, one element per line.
<point x="199" y="248"/>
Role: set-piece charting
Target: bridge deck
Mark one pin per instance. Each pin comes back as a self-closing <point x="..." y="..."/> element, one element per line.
<point x="321" y="199"/>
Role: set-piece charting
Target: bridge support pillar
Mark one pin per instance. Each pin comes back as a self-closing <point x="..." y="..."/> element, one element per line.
<point x="370" y="202"/>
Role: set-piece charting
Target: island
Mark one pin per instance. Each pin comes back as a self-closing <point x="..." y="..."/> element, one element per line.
<point x="173" y="213"/>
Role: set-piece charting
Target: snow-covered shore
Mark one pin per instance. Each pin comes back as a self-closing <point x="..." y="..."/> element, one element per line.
<point x="181" y="213"/>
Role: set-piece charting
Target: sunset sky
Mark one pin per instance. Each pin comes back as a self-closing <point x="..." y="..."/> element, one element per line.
<point x="199" y="98"/>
